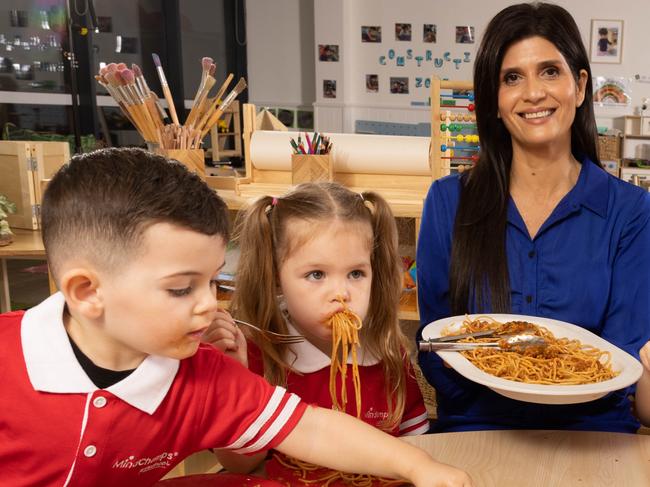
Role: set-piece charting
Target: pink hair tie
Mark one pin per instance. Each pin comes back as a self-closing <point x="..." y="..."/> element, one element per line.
<point x="274" y="201"/>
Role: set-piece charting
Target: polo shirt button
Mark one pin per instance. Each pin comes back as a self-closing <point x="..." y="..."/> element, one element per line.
<point x="99" y="402"/>
<point x="90" y="451"/>
<point x="529" y="299"/>
<point x="531" y="254"/>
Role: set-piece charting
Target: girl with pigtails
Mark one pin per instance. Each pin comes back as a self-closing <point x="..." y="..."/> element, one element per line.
<point x="306" y="256"/>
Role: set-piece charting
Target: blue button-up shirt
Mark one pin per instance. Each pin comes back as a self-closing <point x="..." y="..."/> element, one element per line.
<point x="589" y="264"/>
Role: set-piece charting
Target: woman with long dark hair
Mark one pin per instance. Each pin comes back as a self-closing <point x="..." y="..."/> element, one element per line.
<point x="537" y="227"/>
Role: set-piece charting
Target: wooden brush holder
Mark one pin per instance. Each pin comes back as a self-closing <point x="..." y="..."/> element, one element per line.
<point x="194" y="159"/>
<point x="311" y="168"/>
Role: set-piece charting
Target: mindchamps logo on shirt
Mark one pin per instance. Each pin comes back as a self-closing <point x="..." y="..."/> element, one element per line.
<point x="373" y="414"/>
<point x="159" y="461"/>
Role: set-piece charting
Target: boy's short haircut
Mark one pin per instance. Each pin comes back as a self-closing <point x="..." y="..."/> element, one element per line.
<point x="99" y="205"/>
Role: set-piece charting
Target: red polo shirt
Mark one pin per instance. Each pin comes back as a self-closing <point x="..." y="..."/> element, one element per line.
<point x="57" y="428"/>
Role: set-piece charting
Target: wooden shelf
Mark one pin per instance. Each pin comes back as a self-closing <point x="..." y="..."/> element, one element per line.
<point x="227" y="144"/>
<point x="640" y="137"/>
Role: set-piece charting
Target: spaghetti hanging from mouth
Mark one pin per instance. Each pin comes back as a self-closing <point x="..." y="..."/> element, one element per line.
<point x="345" y="341"/>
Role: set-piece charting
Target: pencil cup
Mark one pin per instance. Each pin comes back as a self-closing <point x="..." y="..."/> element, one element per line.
<point x="311" y="168"/>
<point x="194" y="159"/>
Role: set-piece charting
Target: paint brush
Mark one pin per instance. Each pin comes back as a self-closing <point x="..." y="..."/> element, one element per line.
<point x="128" y="77"/>
<point x="213" y="102"/>
<point x="206" y="62"/>
<point x="136" y="105"/>
<point x="139" y="79"/>
<point x="150" y="99"/>
<point x="223" y="106"/>
<point x="116" y="96"/>
<point x="115" y="82"/>
<point x="207" y="82"/>
<point x="150" y="96"/>
<point x="165" y="88"/>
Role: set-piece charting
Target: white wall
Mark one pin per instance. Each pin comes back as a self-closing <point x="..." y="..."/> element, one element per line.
<point x="339" y="22"/>
<point x="280" y="42"/>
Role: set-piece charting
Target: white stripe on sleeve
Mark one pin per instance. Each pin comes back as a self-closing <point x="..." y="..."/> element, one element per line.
<point x="275" y="428"/>
<point x="252" y="431"/>
<point x="413" y="421"/>
<point x="418" y="431"/>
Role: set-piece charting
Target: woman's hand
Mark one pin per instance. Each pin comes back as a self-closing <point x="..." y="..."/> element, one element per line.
<point x="226" y="336"/>
<point x="644" y="354"/>
<point x="642" y="397"/>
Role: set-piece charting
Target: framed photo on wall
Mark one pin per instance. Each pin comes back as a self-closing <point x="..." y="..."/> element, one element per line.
<point x="606" y="44"/>
<point x="328" y="52"/>
<point x="329" y="88"/>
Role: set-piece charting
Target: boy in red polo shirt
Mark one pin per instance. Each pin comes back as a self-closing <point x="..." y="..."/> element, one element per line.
<point x="106" y="382"/>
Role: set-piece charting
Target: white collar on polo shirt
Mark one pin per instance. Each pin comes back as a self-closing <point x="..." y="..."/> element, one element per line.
<point x="53" y="367"/>
<point x="308" y="358"/>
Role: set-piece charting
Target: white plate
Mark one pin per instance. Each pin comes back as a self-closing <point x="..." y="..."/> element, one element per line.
<point x="630" y="369"/>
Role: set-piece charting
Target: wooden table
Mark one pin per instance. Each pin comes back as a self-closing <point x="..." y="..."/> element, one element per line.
<point x="27" y="244"/>
<point x="520" y="458"/>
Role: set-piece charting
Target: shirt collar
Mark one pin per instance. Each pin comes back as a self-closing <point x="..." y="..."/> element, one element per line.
<point x="592" y="188"/>
<point x="591" y="191"/>
<point x="305" y="357"/>
<point x="52" y="366"/>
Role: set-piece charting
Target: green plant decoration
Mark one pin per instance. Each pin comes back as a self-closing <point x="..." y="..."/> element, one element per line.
<point x="6" y="208"/>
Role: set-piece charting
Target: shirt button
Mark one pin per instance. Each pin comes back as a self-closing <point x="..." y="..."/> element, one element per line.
<point x="529" y="299"/>
<point x="99" y="402"/>
<point x="531" y="254"/>
<point x="90" y="451"/>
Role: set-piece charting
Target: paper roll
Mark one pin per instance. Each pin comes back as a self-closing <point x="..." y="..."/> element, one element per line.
<point x="351" y="153"/>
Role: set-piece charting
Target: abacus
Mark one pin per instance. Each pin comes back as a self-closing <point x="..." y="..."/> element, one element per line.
<point x="454" y="143"/>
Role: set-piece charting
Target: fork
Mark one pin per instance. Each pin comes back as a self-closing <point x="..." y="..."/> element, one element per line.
<point x="272" y="336"/>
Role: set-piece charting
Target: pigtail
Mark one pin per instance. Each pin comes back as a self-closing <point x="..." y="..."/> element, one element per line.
<point x="383" y="335"/>
<point x="255" y="294"/>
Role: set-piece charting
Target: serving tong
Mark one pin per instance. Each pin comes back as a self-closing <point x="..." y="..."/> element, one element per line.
<point x="506" y="342"/>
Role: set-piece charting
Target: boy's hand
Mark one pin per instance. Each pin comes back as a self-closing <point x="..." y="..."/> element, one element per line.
<point x="644" y="354"/>
<point x="224" y="335"/>
<point x="436" y="474"/>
